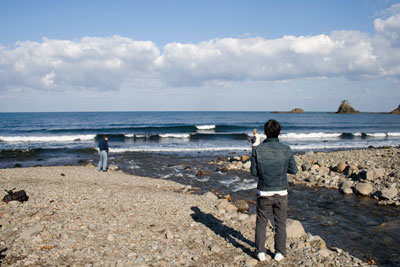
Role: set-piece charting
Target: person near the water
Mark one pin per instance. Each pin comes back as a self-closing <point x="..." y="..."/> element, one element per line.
<point x="271" y="161"/>
<point x="103" y="153"/>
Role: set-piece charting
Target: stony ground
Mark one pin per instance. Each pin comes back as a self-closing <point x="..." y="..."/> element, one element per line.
<point x="77" y="216"/>
<point x="373" y="172"/>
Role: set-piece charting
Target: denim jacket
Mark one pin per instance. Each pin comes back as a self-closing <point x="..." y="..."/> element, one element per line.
<point x="271" y="161"/>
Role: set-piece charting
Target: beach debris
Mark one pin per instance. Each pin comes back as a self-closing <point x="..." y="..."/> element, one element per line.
<point x="20" y="196"/>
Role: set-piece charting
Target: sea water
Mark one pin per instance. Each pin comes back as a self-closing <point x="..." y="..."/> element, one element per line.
<point x="193" y="131"/>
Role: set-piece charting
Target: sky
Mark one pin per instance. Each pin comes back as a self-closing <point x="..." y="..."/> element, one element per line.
<point x="189" y="55"/>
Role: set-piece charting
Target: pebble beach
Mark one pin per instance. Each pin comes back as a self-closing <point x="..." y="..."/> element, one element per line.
<point x="77" y="216"/>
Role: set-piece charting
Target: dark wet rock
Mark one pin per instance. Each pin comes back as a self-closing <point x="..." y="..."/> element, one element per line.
<point x="201" y="173"/>
<point x="17" y="165"/>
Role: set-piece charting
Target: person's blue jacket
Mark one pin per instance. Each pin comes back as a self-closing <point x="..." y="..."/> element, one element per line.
<point x="103" y="145"/>
<point x="271" y="161"/>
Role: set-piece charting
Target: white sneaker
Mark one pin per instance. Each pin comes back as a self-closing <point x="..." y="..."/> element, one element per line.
<point x="261" y="256"/>
<point x="279" y="256"/>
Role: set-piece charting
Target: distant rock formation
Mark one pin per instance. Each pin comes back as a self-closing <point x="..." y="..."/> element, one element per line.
<point x="396" y="110"/>
<point x="346" y="108"/>
<point x="297" y="110"/>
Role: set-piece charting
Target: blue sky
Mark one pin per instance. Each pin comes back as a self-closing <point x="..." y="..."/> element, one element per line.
<point x="199" y="55"/>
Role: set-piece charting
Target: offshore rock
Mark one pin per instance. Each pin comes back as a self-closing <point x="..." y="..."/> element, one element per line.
<point x="346" y="108"/>
<point x="396" y="110"/>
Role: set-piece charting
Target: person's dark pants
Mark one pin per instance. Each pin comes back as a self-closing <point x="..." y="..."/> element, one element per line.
<point x="266" y="207"/>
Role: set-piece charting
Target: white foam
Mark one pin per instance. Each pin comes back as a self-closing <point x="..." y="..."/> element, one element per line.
<point x="205" y="127"/>
<point x="141" y="135"/>
<point x="318" y="135"/>
<point x="394" y="134"/>
<point x="229" y="181"/>
<point x="357" y="134"/>
<point x="377" y="134"/>
<point x="246" y="185"/>
<point x="129" y="135"/>
<point x="49" y="138"/>
<point x="175" y="149"/>
<point x="174" y="135"/>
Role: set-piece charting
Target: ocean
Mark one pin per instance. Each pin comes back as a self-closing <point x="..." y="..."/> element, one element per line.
<point x="193" y="131"/>
<point x="176" y="145"/>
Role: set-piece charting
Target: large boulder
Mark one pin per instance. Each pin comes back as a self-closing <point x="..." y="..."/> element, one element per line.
<point x="346" y="108"/>
<point x="294" y="229"/>
<point x="364" y="189"/>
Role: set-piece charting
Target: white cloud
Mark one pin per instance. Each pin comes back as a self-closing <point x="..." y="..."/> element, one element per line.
<point x="117" y="62"/>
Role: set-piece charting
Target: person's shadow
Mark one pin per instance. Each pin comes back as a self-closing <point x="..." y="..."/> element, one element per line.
<point x="222" y="230"/>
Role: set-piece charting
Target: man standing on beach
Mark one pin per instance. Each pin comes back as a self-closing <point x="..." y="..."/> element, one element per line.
<point x="103" y="153"/>
<point x="271" y="161"/>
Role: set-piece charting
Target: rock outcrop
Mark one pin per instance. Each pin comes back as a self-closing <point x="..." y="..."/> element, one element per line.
<point x="396" y="110"/>
<point x="346" y="108"/>
<point x="297" y="110"/>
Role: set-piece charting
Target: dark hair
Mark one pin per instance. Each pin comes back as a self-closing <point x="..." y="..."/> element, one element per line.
<point x="272" y="129"/>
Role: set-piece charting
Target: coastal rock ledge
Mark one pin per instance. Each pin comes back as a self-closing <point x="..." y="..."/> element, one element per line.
<point x="77" y="216"/>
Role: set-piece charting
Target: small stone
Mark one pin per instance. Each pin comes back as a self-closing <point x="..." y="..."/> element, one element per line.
<point x="388" y="193"/>
<point x="324" y="252"/>
<point x="294" y="229"/>
<point x="241" y="205"/>
<point x="110" y="237"/>
<point x="215" y="248"/>
<point x="305" y="166"/>
<point x="374" y="174"/>
<point x="113" y="167"/>
<point x="364" y="189"/>
<point x="251" y="262"/>
<point x="211" y="196"/>
<point x="341" y="167"/>
<point x="169" y="235"/>
<point x="244" y="158"/>
<point x="247" y="165"/>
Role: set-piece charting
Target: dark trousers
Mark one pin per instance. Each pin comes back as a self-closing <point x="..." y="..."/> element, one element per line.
<point x="275" y="205"/>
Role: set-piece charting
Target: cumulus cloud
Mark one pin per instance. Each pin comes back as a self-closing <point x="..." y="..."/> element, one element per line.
<point x="115" y="62"/>
<point x="90" y="63"/>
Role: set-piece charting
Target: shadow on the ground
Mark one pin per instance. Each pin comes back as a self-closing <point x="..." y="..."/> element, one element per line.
<point x="226" y="232"/>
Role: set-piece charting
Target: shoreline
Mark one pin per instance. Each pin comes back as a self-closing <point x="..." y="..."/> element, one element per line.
<point x="76" y="215"/>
